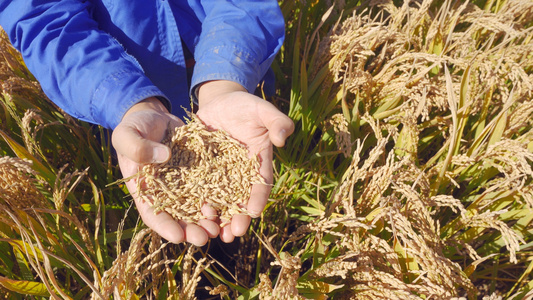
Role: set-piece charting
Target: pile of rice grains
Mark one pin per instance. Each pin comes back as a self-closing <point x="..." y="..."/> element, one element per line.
<point x="206" y="167"/>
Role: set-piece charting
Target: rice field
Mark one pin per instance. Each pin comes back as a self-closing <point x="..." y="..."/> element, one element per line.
<point x="408" y="176"/>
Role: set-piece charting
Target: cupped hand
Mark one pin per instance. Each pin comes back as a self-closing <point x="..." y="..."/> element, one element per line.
<point x="137" y="142"/>
<point x="253" y="121"/>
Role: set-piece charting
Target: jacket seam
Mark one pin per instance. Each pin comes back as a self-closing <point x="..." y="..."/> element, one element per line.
<point x="248" y="55"/>
<point x="101" y="85"/>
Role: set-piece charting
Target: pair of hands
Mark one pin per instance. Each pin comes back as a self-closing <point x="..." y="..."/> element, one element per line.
<point x="222" y="105"/>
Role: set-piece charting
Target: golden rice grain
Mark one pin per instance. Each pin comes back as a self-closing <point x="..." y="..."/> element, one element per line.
<point x="221" y="290"/>
<point x="342" y="134"/>
<point x="191" y="274"/>
<point x="206" y="167"/>
<point x="18" y="184"/>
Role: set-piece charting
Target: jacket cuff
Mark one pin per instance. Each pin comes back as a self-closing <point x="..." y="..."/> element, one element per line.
<point x="227" y="63"/>
<point x="116" y="94"/>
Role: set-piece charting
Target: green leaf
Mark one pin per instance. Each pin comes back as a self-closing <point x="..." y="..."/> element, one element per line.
<point x="407" y="142"/>
<point x="311" y="210"/>
<point x="21" y="246"/>
<point x="25" y="287"/>
<point x="315" y="289"/>
<point x="437" y="44"/>
<point x="407" y="261"/>
<point x="24" y="267"/>
<point x="21" y="152"/>
<point x="314" y="203"/>
<point x="499" y="129"/>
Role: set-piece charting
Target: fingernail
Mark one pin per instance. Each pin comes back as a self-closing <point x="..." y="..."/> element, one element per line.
<point x="161" y="155"/>
<point x="283" y="134"/>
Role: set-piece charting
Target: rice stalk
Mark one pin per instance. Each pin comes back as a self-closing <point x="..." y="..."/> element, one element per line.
<point x="56" y="220"/>
<point x="190" y="275"/>
<point x="286" y="283"/>
<point x="132" y="268"/>
<point x="434" y="100"/>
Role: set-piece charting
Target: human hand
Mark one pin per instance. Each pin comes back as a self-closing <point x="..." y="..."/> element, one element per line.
<point x="137" y="141"/>
<point x="253" y="121"/>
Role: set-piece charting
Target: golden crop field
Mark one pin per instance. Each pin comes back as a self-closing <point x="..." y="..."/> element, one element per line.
<point x="409" y="174"/>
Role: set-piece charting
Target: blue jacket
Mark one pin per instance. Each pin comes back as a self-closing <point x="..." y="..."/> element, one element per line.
<point x="96" y="58"/>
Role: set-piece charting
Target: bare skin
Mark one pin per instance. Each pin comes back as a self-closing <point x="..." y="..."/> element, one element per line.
<point x="222" y="105"/>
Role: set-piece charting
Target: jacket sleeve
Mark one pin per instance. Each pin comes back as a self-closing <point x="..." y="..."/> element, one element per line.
<point x="239" y="41"/>
<point x="82" y="69"/>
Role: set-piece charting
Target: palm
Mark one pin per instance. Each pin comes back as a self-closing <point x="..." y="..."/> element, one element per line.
<point x="239" y="119"/>
<point x="247" y="118"/>
<point x="134" y="139"/>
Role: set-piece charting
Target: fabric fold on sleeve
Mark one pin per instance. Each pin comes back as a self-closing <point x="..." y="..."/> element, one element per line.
<point x="82" y="69"/>
<point x="239" y="41"/>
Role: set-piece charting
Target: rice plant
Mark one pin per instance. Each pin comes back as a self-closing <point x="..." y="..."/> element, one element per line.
<point x="413" y="151"/>
<point x="408" y="176"/>
<point x="65" y="232"/>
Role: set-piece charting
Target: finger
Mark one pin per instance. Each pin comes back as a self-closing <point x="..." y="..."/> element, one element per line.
<point x="226" y="235"/>
<point x="129" y="142"/>
<point x="194" y="234"/>
<point x="209" y="212"/>
<point x="161" y="223"/>
<point x="210" y="227"/>
<point x="258" y="196"/>
<point x="128" y="168"/>
<point x="260" y="192"/>
<point x="240" y="224"/>
<point x="210" y="224"/>
<point x="173" y="231"/>
<point x="278" y="124"/>
<point x="258" y="199"/>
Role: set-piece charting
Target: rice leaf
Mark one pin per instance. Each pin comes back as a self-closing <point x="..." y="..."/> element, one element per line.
<point x="21" y="152"/>
<point x="315" y="289"/>
<point x="25" y="287"/>
<point x="23" y="264"/>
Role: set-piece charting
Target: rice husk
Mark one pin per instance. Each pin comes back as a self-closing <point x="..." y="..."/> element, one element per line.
<point x="206" y="167"/>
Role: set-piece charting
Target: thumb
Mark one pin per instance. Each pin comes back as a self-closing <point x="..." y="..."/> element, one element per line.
<point x="129" y="142"/>
<point x="278" y="124"/>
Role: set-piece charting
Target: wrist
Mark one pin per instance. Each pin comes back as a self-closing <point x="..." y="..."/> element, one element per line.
<point x="151" y="103"/>
<point x="209" y="90"/>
